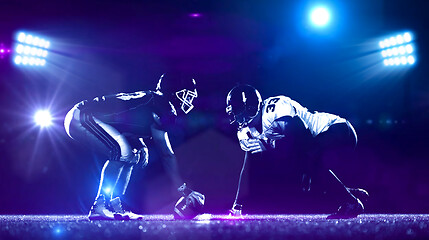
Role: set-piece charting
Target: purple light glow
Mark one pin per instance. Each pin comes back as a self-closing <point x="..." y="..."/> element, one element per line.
<point x="2" y="50"/>
<point x="195" y="15"/>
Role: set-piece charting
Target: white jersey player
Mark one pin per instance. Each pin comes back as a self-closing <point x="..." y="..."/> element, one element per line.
<point x="262" y="123"/>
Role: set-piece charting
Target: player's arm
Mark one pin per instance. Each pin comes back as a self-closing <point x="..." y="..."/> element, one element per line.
<point x="250" y="140"/>
<point x="162" y="144"/>
<point x="278" y="129"/>
<point x="192" y="202"/>
<point x="284" y="127"/>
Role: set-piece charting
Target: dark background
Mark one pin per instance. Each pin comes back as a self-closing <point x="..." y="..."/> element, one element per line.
<point x="103" y="47"/>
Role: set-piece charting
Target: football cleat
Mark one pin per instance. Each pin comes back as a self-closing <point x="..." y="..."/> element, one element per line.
<point x="99" y="210"/>
<point x="120" y="214"/>
<point x="348" y="210"/>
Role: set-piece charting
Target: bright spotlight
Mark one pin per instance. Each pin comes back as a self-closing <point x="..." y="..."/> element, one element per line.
<point x="28" y="39"/>
<point x="39" y="52"/>
<point x="20" y="48"/>
<point x="320" y="16"/>
<point x="392" y="41"/>
<point x="28" y="47"/>
<point x="21" y="37"/>
<point x="43" y="118"/>
<point x="397" y="61"/>
<point x="35" y="41"/>
<point x="389" y="52"/>
<point x="409" y="48"/>
<point x="33" y="51"/>
<point x="18" y="60"/>
<point x="401" y="50"/>
<point x="386" y="62"/>
<point x="27" y="50"/>
<point x="399" y="39"/>
<point x="407" y="37"/>
<point x="396" y="50"/>
<point x="386" y="43"/>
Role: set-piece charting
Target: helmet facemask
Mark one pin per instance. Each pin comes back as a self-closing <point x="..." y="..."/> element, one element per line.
<point x="186" y="97"/>
<point x="176" y="89"/>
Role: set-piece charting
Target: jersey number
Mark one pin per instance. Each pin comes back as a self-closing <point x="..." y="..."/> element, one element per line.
<point x="272" y="104"/>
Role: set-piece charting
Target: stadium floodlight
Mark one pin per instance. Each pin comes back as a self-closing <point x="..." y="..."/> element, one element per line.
<point x="409" y="48"/>
<point x="18" y="60"/>
<point x="30" y="50"/>
<point x="320" y="16"/>
<point x="407" y="37"/>
<point x="398" y="50"/>
<point x="43" y="118"/>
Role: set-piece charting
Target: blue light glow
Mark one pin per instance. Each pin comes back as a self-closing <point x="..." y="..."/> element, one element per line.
<point x="107" y="190"/>
<point x="58" y="230"/>
<point x="320" y="16"/>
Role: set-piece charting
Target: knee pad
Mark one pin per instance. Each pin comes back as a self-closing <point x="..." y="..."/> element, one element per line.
<point x="140" y="155"/>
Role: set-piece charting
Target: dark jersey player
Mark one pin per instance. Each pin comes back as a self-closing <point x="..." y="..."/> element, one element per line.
<point x="262" y="123"/>
<point x="116" y="126"/>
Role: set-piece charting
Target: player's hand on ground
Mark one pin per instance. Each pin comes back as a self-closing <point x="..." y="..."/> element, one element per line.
<point x="236" y="210"/>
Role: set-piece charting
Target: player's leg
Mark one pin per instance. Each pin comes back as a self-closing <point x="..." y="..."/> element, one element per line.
<point x="109" y="178"/>
<point x="121" y="169"/>
<point x="339" y="141"/>
<point x="237" y="206"/>
<point x="168" y="158"/>
<point x="79" y="127"/>
<point x="105" y="139"/>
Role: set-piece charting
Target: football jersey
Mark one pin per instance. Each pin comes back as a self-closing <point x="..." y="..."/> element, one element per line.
<point x="131" y="112"/>
<point x="281" y="106"/>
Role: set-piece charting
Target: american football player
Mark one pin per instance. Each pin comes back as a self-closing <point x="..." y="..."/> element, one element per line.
<point x="262" y="123"/>
<point x="116" y="126"/>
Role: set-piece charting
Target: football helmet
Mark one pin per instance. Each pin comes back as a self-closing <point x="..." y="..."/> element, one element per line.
<point x="243" y="104"/>
<point x="180" y="91"/>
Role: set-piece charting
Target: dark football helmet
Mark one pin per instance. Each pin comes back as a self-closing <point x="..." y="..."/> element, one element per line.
<point x="179" y="90"/>
<point x="243" y="104"/>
